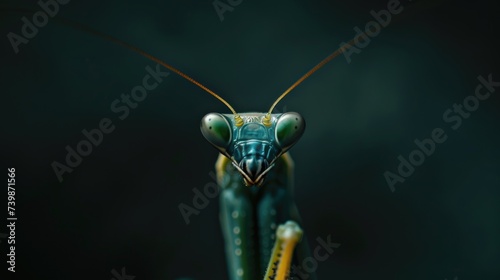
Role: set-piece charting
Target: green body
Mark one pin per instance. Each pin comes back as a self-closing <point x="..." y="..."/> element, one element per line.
<point x="251" y="213"/>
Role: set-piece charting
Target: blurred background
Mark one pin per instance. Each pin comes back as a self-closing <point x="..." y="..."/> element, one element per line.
<point x="119" y="208"/>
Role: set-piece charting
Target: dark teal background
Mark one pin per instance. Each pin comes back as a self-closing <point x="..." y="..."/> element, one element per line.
<point x="119" y="208"/>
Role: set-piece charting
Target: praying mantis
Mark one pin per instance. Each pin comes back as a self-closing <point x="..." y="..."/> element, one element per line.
<point x="260" y="221"/>
<point x="175" y="262"/>
<point x="255" y="172"/>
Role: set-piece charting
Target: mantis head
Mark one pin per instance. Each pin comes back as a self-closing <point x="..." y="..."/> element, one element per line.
<point x="253" y="146"/>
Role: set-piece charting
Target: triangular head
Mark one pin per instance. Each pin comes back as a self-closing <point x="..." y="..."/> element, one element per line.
<point x="253" y="147"/>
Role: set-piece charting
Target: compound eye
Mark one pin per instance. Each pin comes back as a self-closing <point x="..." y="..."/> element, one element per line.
<point x="289" y="128"/>
<point x="216" y="129"/>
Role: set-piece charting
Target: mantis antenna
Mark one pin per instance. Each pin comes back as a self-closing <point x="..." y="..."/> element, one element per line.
<point x="76" y="25"/>
<point x="267" y="118"/>
<point x="238" y="120"/>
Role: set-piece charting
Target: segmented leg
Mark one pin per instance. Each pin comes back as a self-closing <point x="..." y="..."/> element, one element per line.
<point x="287" y="237"/>
<point x="250" y="216"/>
<point x="276" y="206"/>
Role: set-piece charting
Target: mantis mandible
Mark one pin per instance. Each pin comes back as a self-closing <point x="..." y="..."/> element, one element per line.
<point x="260" y="221"/>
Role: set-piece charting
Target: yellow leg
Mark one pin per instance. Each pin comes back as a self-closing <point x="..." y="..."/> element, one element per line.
<point x="288" y="235"/>
<point x="220" y="167"/>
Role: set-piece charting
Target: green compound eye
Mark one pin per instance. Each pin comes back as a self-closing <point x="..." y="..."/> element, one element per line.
<point x="217" y="130"/>
<point x="289" y="129"/>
